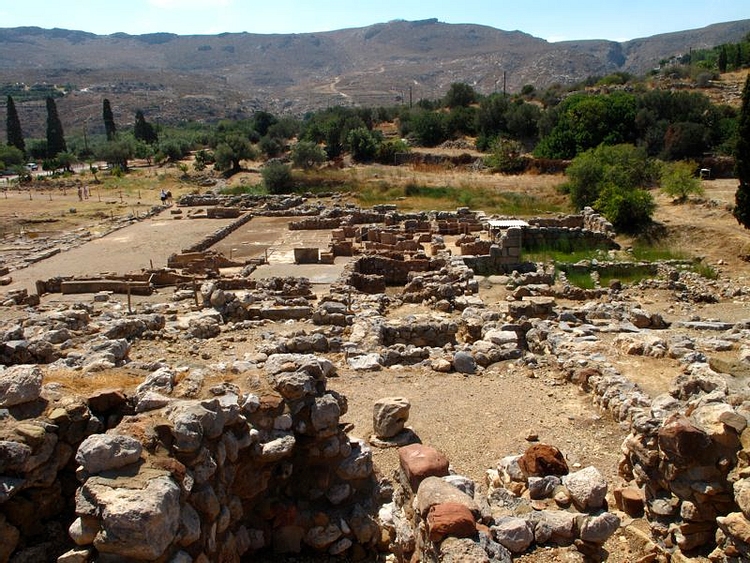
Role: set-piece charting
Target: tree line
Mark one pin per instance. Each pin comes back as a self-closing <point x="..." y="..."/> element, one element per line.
<point x="554" y="124"/>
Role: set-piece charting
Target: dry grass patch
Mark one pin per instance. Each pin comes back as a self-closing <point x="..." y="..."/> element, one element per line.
<point x="79" y="383"/>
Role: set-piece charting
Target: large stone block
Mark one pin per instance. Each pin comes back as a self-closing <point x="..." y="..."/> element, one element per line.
<point x="418" y="462"/>
<point x="450" y="519"/>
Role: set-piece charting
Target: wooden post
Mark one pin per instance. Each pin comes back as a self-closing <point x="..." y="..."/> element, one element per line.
<point x="130" y="310"/>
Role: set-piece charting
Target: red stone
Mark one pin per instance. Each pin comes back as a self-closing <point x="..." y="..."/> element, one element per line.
<point x="630" y="500"/>
<point x="683" y="443"/>
<point x="540" y="460"/>
<point x="419" y="462"/>
<point x="450" y="519"/>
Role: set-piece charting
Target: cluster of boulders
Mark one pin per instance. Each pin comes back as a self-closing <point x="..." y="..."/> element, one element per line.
<point x="529" y="499"/>
<point x="163" y="476"/>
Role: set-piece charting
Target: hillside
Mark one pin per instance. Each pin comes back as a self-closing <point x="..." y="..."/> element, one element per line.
<point x="230" y="75"/>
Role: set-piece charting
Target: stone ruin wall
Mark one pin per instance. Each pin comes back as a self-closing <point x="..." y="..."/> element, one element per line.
<point x="686" y="459"/>
<point x="179" y="479"/>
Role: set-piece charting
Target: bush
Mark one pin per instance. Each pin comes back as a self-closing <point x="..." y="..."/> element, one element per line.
<point x="507" y="157"/>
<point x="363" y="144"/>
<point x="627" y="209"/>
<point x="611" y="179"/>
<point x="387" y="151"/>
<point x="678" y="180"/>
<point x="277" y="177"/>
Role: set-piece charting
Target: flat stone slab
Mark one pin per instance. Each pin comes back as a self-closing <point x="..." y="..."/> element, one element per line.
<point x="704" y="325"/>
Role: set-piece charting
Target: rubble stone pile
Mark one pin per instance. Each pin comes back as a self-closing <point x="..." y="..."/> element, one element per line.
<point x="529" y="499"/>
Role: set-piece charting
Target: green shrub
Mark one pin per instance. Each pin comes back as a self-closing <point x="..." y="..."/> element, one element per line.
<point x="277" y="177"/>
<point x="387" y="151"/>
<point x="678" y="180"/>
<point x="627" y="210"/>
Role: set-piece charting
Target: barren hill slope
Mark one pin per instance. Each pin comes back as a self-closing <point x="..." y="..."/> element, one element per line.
<point x="209" y="77"/>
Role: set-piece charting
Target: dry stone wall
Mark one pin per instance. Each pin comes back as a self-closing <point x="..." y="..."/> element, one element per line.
<point x="182" y="479"/>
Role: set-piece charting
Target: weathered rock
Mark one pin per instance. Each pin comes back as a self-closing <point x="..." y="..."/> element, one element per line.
<point x="83" y="530"/>
<point x="464" y="362"/>
<point x="278" y="449"/>
<point x="742" y="496"/>
<point x="588" y="488"/>
<point x="76" y="555"/>
<point x="366" y="362"/>
<point x="516" y="534"/>
<point x="321" y="537"/>
<point x="358" y="464"/>
<point x="389" y="416"/>
<point x="543" y="487"/>
<point x="598" y="529"/>
<point x="317" y="367"/>
<point x="20" y="384"/>
<point x="137" y="523"/>
<point x="434" y="490"/>
<point x="735" y="525"/>
<point x="681" y="441"/>
<point x="465" y="550"/>
<point x="13" y="455"/>
<point x="324" y="415"/>
<point x="101" y="452"/>
<point x="294" y="385"/>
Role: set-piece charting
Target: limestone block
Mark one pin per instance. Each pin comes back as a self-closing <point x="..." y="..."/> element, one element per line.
<point x="20" y="384"/>
<point x="588" y="488"/>
<point x="102" y="452"/>
<point x="389" y="416"/>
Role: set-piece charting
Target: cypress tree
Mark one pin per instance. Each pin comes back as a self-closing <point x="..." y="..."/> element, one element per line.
<point x="741" y="209"/>
<point x="109" y="120"/>
<point x="13" y="127"/>
<point x="143" y="130"/>
<point x="55" y="137"/>
<point x="723" y="59"/>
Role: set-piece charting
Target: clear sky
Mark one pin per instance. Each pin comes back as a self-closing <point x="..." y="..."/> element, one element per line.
<point x="554" y="20"/>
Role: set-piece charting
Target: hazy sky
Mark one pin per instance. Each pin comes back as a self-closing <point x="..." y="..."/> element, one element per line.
<point x="553" y="20"/>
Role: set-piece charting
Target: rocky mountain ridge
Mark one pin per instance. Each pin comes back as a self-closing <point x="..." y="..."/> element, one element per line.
<point x="210" y="77"/>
